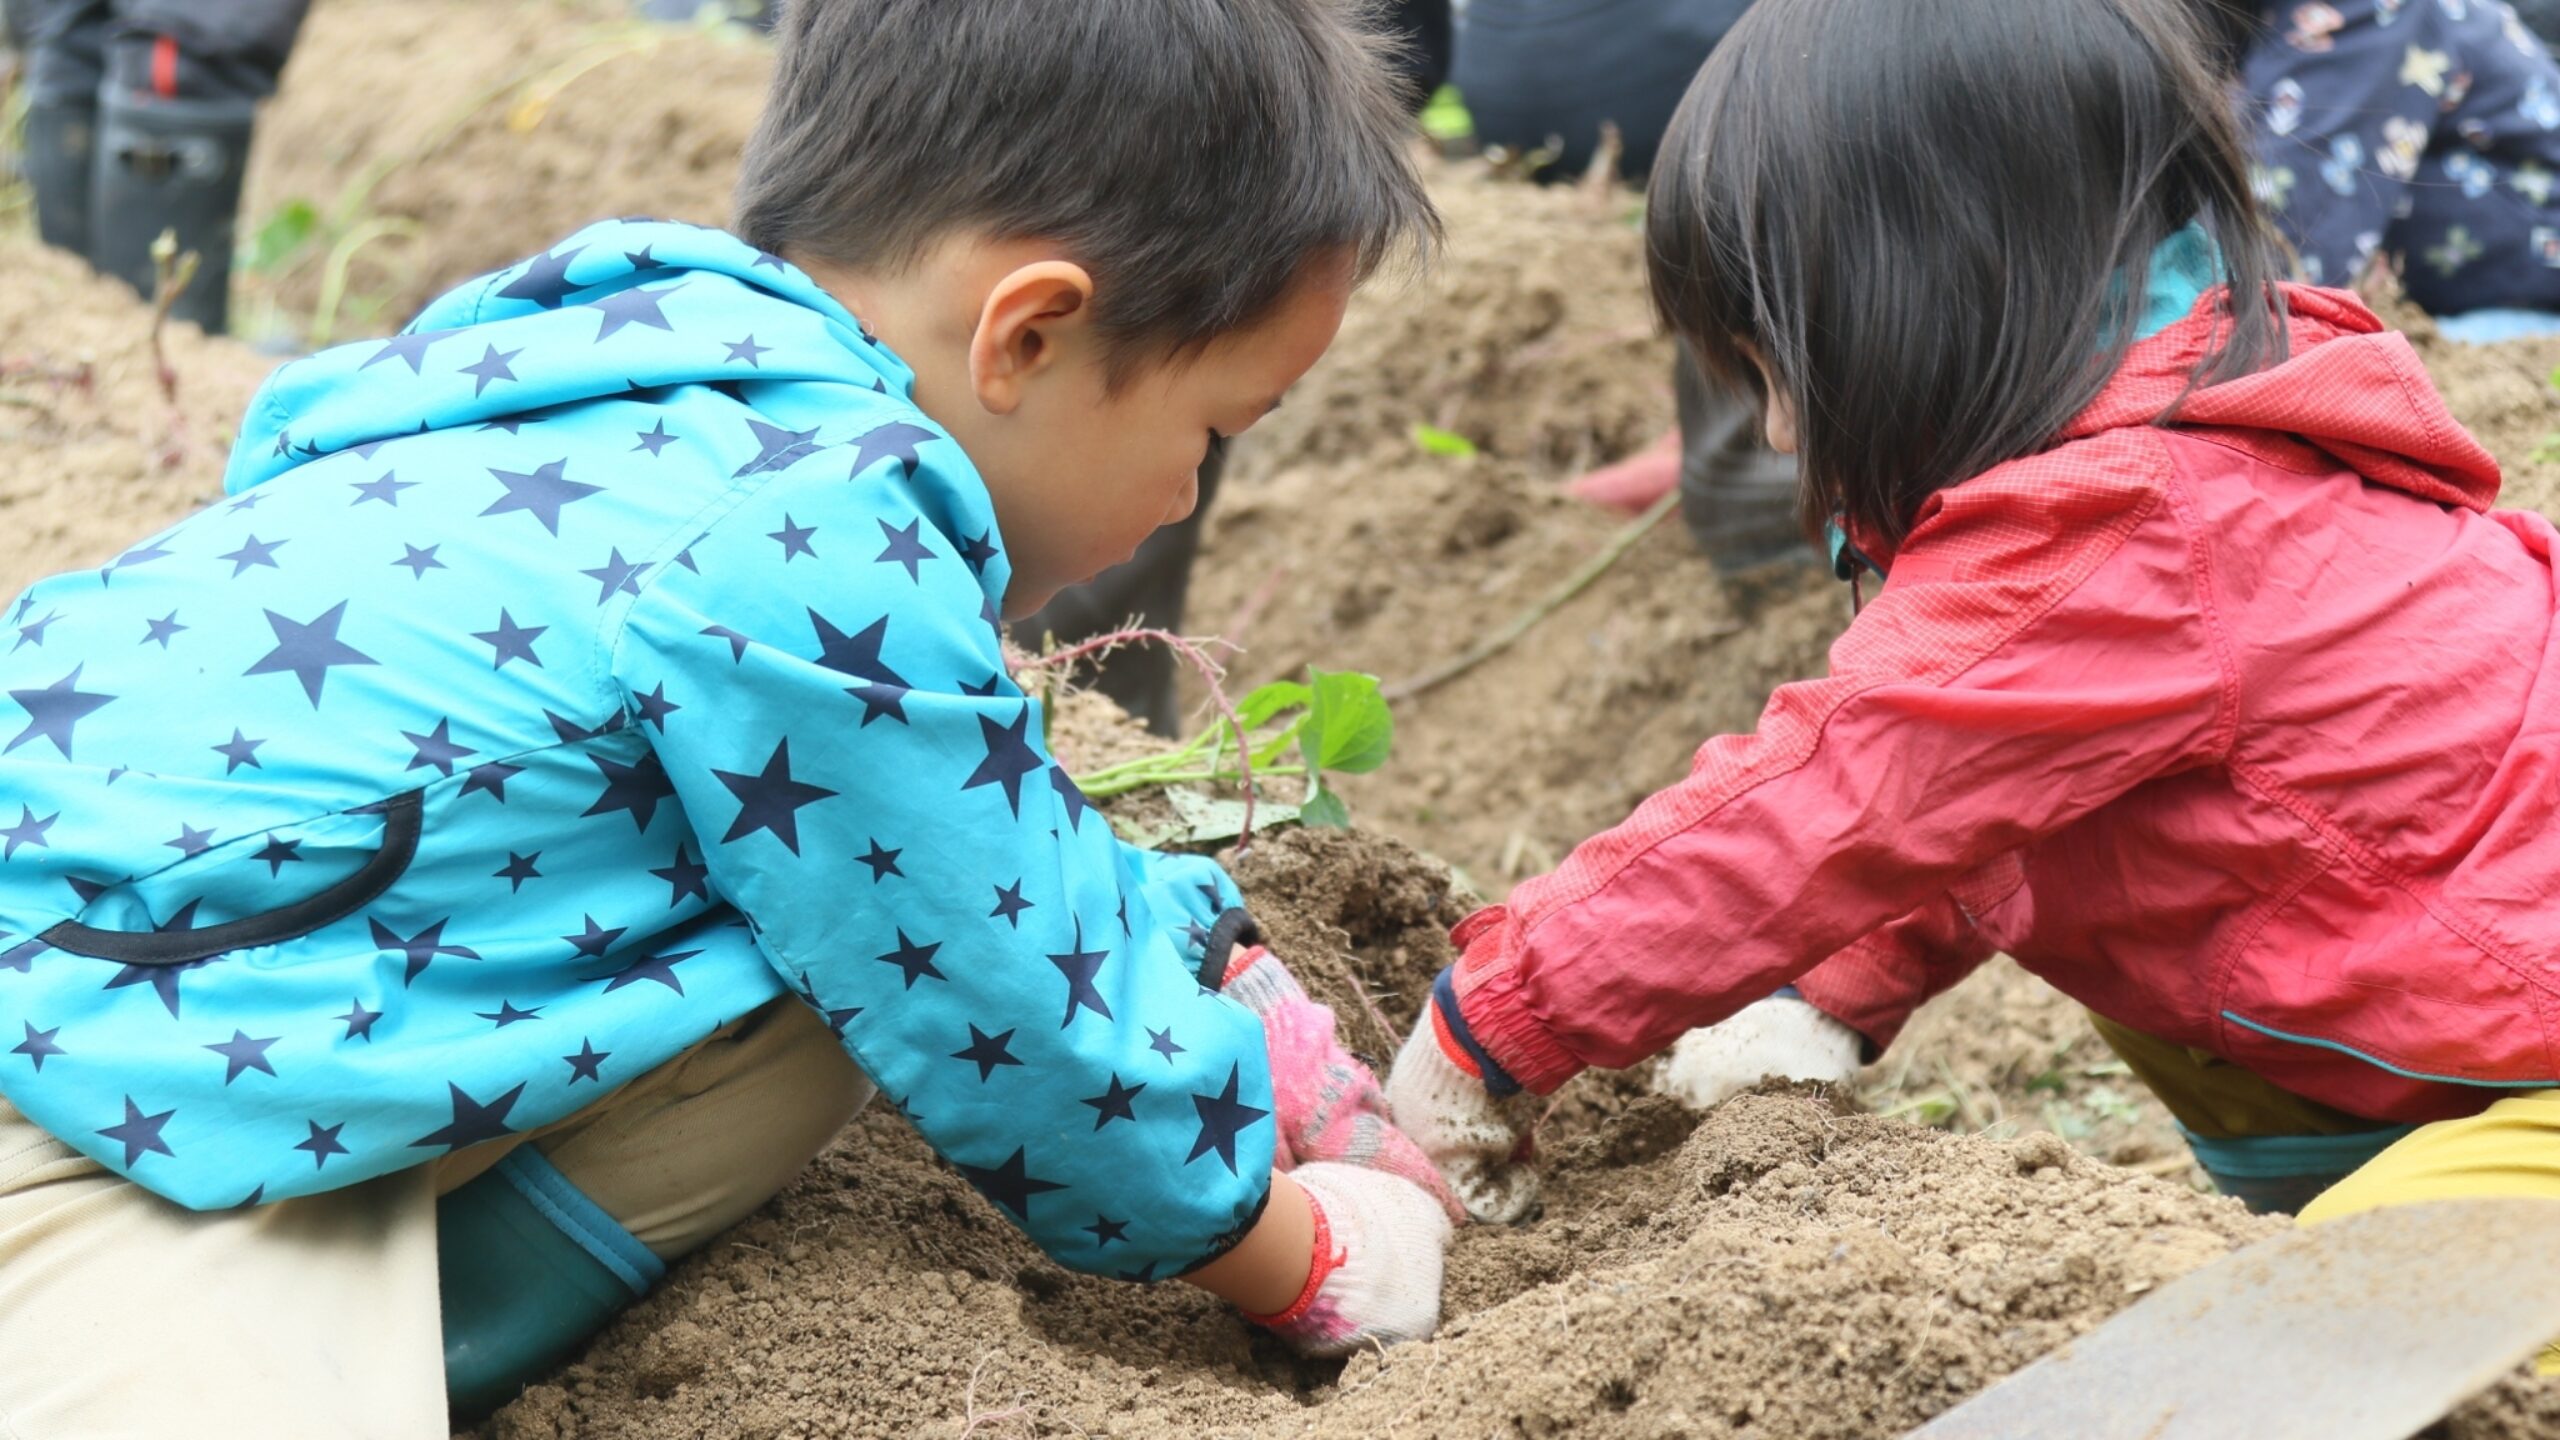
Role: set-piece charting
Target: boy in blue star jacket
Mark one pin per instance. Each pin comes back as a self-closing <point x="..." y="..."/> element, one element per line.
<point x="592" y="694"/>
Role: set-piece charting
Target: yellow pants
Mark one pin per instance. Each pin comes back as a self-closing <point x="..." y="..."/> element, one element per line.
<point x="2509" y="1150"/>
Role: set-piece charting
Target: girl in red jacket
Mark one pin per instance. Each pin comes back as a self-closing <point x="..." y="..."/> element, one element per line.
<point x="2203" y="678"/>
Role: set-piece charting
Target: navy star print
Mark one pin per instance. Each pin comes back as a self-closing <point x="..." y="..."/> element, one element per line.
<point x="607" y="624"/>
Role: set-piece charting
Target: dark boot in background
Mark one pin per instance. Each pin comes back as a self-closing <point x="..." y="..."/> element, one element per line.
<point x="1151" y="591"/>
<point x="1738" y="496"/>
<point x="167" y="164"/>
<point x="59" y="160"/>
<point x="61" y="45"/>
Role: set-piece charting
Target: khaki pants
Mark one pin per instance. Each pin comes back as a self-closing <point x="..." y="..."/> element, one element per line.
<point x="2216" y="1099"/>
<point x="126" y="1317"/>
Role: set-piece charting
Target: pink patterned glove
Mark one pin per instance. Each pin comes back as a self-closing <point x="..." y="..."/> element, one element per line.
<point x="1330" y="1107"/>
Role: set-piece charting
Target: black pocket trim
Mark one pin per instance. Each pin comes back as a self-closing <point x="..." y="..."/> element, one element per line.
<point x="401" y="823"/>
<point x="1232" y="928"/>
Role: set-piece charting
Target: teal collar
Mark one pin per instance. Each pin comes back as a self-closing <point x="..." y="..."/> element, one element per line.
<point x="2185" y="265"/>
<point x="2183" y="268"/>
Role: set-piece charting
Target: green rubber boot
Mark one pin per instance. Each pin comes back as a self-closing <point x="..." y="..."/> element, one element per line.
<point x="530" y="1270"/>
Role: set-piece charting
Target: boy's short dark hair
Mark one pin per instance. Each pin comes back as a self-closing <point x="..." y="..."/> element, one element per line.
<point x="1193" y="155"/>
<point x="1934" y="221"/>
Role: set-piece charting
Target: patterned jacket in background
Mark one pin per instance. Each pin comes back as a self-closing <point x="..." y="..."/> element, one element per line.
<point x="606" y="656"/>
<point x="2427" y="130"/>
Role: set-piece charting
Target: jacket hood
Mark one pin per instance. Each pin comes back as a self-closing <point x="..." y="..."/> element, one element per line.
<point x="2348" y="387"/>
<point x="619" y="307"/>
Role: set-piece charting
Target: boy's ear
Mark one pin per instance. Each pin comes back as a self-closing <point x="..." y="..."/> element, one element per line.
<point x="1029" y="315"/>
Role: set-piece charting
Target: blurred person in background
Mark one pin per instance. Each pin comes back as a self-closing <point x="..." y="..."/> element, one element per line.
<point x="1549" y="77"/>
<point x="139" y="120"/>
<point x="1153" y="589"/>
<point x="2419" y="134"/>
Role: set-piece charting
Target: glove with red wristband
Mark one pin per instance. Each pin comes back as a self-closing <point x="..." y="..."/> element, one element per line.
<point x="1382" y="1213"/>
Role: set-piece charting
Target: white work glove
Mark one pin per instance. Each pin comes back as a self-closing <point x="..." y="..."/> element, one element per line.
<point x="1376" y="1279"/>
<point x="1782" y="1037"/>
<point x="1460" y="1125"/>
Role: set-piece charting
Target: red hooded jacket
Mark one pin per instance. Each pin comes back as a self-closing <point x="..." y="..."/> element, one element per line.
<point x="2243" y="732"/>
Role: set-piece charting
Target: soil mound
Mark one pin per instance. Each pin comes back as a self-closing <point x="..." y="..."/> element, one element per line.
<point x="92" y="455"/>
<point x="435" y="140"/>
<point x="1777" y="1268"/>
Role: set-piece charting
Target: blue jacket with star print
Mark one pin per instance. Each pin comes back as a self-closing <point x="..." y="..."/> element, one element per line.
<point x="608" y="654"/>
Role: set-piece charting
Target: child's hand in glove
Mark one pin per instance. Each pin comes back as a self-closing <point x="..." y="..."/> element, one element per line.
<point x="1376" y="1278"/>
<point x="1783" y="1036"/>
<point x="1329" y="1104"/>
<point x="1447" y="1095"/>
<point x="1381" y="1212"/>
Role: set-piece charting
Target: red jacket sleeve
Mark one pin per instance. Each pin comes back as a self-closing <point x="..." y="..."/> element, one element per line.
<point x="2044" y="645"/>
<point x="1884" y="977"/>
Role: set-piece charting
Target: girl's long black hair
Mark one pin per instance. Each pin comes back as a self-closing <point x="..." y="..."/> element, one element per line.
<point x="1933" y="220"/>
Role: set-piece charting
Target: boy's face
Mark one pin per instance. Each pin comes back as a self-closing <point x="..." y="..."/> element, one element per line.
<point x="1000" y="335"/>
<point x="1081" y="475"/>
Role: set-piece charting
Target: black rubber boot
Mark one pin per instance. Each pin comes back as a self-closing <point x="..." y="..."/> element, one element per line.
<point x="61" y="137"/>
<point x="171" y="165"/>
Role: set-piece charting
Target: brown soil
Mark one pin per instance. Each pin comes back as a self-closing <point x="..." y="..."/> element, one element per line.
<point x="1776" y="1268"/>
<point x="493" y="128"/>
<point x="92" y="456"/>
<point x="1340" y="542"/>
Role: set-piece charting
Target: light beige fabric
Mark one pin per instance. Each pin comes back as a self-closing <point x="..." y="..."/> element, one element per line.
<point x="126" y="1317"/>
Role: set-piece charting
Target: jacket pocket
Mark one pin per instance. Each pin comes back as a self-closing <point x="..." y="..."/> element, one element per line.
<point x="402" y="821"/>
<point x="2360" y="970"/>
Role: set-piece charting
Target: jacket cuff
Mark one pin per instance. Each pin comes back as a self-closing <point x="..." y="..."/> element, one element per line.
<point x="1495" y="1013"/>
<point x="1232" y="928"/>
<point x="1218" y="1246"/>
<point x="1862" y="990"/>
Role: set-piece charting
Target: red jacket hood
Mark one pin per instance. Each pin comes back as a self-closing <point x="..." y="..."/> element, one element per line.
<point x="2349" y="387"/>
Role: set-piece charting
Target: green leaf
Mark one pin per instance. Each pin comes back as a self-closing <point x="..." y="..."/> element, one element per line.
<point x="1145" y="837"/>
<point x="1206" y="819"/>
<point x="1349" y="727"/>
<point x="2111" y="1103"/>
<point x="1325" y="810"/>
<point x="1266" y="703"/>
<point x="1271" y="752"/>
<point x="1203" y="821"/>
<point x="1435" y="441"/>
<point x="282" y="237"/>
<point x="1446" y="117"/>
